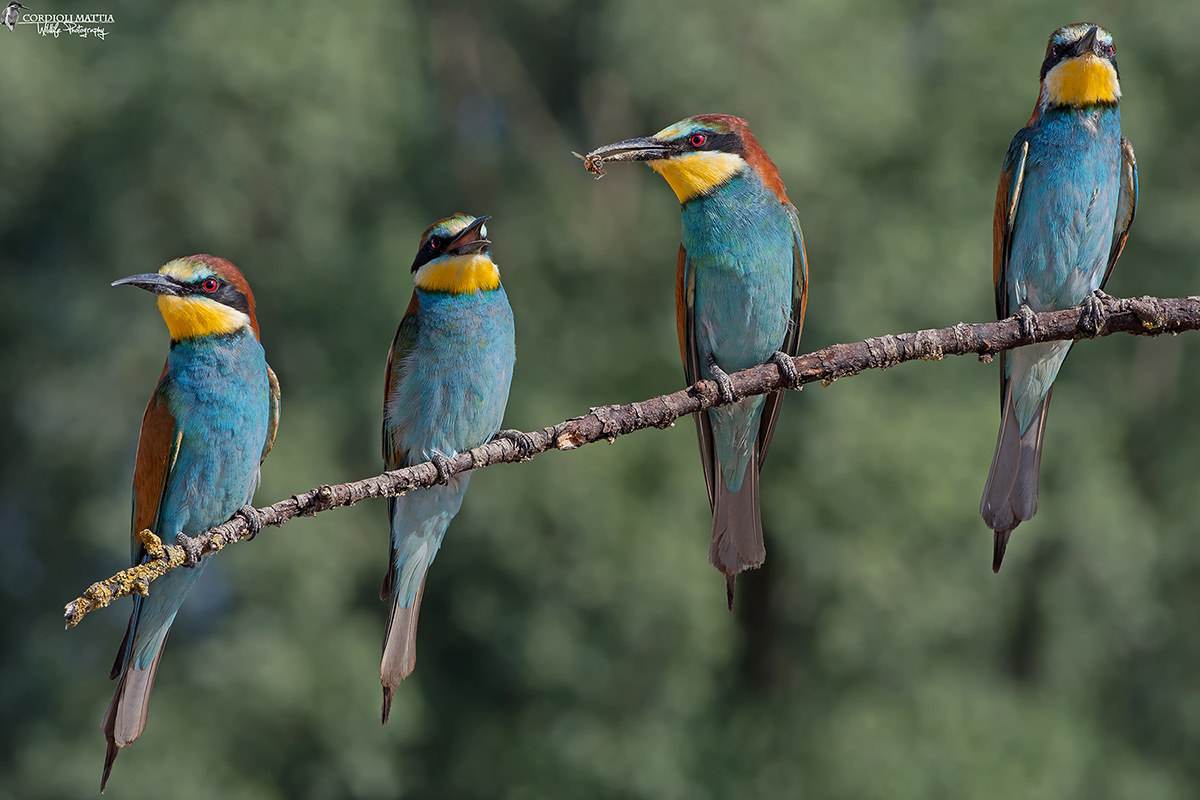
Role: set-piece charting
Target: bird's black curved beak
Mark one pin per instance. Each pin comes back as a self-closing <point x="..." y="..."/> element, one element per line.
<point x="645" y="148"/>
<point x="470" y="239"/>
<point x="151" y="282"/>
<point x="1087" y="44"/>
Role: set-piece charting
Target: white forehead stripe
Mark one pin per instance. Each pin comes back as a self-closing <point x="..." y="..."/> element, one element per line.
<point x="1076" y="32"/>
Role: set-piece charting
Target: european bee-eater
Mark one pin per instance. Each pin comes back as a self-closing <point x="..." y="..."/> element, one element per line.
<point x="445" y="389"/>
<point x="209" y="424"/>
<point x="740" y="294"/>
<point x="1067" y="194"/>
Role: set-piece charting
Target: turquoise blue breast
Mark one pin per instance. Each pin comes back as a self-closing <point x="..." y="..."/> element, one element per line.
<point x="219" y="396"/>
<point x="1062" y="233"/>
<point x="739" y="243"/>
<point x="740" y="250"/>
<point x="217" y="390"/>
<point x="456" y="384"/>
<point x="1064" y="223"/>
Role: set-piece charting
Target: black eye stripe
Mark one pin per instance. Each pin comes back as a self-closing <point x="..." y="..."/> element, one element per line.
<point x="432" y="248"/>
<point x="721" y="142"/>
<point x="225" y="294"/>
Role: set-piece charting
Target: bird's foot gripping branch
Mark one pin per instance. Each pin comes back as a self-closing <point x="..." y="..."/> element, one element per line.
<point x="1146" y="316"/>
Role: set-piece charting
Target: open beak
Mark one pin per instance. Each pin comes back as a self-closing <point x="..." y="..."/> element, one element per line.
<point x="470" y="239"/>
<point x="151" y="282"/>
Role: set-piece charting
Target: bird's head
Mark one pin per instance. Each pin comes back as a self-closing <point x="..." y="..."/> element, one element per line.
<point x="453" y="257"/>
<point x="1080" y="68"/>
<point x="200" y="295"/>
<point x="698" y="155"/>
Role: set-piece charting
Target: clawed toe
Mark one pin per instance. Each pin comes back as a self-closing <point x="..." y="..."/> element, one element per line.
<point x="724" y="382"/>
<point x="1091" y="318"/>
<point x="787" y="369"/>
<point x="1028" y="321"/>
<point x="253" y="523"/>
<point x="522" y="442"/>
<point x="442" y="465"/>
<point x="191" y="550"/>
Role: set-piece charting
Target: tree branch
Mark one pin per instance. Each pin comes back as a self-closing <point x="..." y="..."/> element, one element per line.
<point x="1146" y="316"/>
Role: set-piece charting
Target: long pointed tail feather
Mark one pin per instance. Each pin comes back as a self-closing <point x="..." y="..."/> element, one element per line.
<point x="1010" y="495"/>
<point x="399" y="645"/>
<point x="737" y="537"/>
<point x="999" y="545"/>
<point x="125" y="718"/>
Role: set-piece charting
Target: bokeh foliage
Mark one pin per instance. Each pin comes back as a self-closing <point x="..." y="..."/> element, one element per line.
<point x="574" y="641"/>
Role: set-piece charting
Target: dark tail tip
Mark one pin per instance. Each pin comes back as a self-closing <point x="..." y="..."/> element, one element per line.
<point x="109" y="758"/>
<point x="1001" y="544"/>
<point x="388" y="691"/>
<point x="729" y="590"/>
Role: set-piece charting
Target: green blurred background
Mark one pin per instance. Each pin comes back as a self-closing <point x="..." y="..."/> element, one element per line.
<point x="574" y="640"/>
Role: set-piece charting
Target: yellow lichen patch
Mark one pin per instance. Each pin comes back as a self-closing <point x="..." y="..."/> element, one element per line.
<point x="152" y="543"/>
<point x="458" y="274"/>
<point x="135" y="580"/>
<point x="191" y="317"/>
<point x="694" y="174"/>
<point x="1082" y="81"/>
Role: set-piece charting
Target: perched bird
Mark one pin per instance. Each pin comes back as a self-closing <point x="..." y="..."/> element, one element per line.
<point x="1067" y="194"/>
<point x="209" y="424"/>
<point x="740" y="295"/>
<point x="445" y="389"/>
<point x="11" y="14"/>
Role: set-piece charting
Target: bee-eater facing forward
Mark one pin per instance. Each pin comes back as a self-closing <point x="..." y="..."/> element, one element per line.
<point x="1067" y="194"/>
<point x="740" y="294"/>
<point x="445" y="389"/>
<point x="207" y="428"/>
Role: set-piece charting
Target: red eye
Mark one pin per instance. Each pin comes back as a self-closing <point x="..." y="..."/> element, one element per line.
<point x="210" y="285"/>
<point x="698" y="140"/>
<point x="435" y="243"/>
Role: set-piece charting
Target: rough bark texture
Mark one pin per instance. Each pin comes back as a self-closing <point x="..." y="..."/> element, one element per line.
<point x="1146" y="316"/>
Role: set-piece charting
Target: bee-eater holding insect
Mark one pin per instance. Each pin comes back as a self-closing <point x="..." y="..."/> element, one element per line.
<point x="209" y="424"/>
<point x="740" y="294"/>
<point x="1067" y="194"/>
<point x="445" y="389"/>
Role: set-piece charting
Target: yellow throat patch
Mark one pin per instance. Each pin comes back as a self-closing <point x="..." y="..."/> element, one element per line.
<point x="693" y="174"/>
<point x="458" y="274"/>
<point x="191" y="317"/>
<point x="1082" y="81"/>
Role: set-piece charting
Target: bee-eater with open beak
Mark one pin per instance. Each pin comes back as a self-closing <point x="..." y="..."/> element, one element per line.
<point x="741" y="290"/>
<point x="1067" y="194"/>
<point x="207" y="428"/>
<point x="445" y="389"/>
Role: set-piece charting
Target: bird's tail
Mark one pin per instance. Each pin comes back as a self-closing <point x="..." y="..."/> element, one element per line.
<point x="1010" y="495"/>
<point x="125" y="718"/>
<point x="400" y="636"/>
<point x="737" y="537"/>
